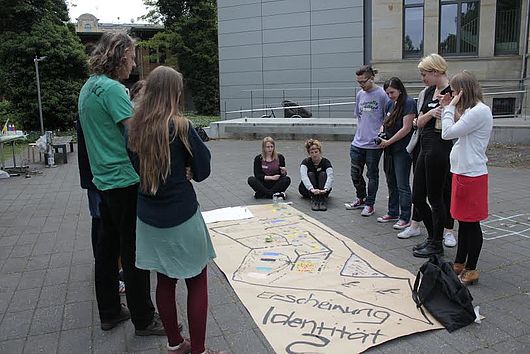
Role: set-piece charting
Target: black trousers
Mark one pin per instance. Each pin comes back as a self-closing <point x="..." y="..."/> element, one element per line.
<point x="96" y="233"/>
<point x="469" y="243"/>
<point x="266" y="189"/>
<point x="432" y="168"/>
<point x="416" y="216"/>
<point x="118" y="216"/>
<point x="318" y="181"/>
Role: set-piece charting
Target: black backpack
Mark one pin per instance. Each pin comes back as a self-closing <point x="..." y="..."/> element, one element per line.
<point x="438" y="288"/>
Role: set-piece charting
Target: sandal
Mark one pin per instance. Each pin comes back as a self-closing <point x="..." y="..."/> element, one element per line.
<point x="182" y="348"/>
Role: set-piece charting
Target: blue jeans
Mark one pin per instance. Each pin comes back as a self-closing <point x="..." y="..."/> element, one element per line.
<point x="397" y="170"/>
<point x="369" y="157"/>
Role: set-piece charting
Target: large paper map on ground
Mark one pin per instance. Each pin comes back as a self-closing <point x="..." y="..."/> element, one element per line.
<point x="310" y="289"/>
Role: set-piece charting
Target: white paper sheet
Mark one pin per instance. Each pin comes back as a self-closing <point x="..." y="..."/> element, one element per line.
<point x="226" y="214"/>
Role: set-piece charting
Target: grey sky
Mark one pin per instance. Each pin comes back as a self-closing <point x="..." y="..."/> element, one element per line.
<point x="114" y="11"/>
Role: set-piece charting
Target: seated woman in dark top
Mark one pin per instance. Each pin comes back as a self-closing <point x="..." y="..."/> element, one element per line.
<point x="316" y="173"/>
<point x="270" y="175"/>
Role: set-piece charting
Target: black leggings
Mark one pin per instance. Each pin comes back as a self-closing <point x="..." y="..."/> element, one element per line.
<point x="432" y="168"/>
<point x="416" y="216"/>
<point x="265" y="189"/>
<point x="469" y="243"/>
<point x="318" y="181"/>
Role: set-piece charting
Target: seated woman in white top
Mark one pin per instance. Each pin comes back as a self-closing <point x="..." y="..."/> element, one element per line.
<point x="316" y="173"/>
<point x="466" y="118"/>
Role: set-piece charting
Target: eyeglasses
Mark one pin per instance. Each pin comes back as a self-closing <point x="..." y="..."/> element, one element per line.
<point x="362" y="82"/>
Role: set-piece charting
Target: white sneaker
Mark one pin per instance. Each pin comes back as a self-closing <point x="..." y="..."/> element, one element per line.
<point x="449" y="239"/>
<point x="409" y="232"/>
<point x="358" y="203"/>
<point x="367" y="210"/>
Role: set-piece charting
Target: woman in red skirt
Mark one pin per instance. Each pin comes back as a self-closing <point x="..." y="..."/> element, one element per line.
<point x="468" y="119"/>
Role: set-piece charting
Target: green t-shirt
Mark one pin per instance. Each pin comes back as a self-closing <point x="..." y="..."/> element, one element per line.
<point x="103" y="105"/>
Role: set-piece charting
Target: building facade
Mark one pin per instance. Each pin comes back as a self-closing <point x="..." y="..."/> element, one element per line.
<point x="307" y="51"/>
<point x="304" y="51"/>
<point x="487" y="37"/>
<point x="89" y="30"/>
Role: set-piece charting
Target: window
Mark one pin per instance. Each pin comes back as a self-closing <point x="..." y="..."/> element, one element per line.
<point x="88" y="27"/>
<point x="459" y="26"/>
<point x="412" y="28"/>
<point x="503" y="107"/>
<point x="507" y="26"/>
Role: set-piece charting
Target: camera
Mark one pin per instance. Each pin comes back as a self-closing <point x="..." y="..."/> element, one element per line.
<point x="380" y="136"/>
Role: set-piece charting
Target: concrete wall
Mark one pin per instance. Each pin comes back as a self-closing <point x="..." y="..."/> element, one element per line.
<point x="302" y="50"/>
<point x="496" y="73"/>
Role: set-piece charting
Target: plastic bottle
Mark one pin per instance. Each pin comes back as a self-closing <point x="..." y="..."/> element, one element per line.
<point x="275" y="200"/>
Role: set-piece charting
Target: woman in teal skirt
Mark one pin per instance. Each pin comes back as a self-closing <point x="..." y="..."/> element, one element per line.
<point x="171" y="236"/>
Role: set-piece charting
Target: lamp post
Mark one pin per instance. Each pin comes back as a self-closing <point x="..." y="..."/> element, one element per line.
<point x="36" y="60"/>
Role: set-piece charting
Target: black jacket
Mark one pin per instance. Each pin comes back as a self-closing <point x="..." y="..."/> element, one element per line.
<point x="176" y="201"/>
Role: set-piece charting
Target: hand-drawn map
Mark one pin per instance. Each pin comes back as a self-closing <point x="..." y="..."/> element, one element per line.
<point x="312" y="290"/>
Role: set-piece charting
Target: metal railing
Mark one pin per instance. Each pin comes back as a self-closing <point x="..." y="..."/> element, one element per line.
<point x="305" y="97"/>
<point x="507" y="29"/>
<point x="325" y="106"/>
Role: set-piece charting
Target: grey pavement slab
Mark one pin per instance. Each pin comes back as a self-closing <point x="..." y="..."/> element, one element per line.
<point x="47" y="301"/>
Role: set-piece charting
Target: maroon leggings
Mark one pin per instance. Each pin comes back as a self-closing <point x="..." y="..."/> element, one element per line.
<point x="197" y="309"/>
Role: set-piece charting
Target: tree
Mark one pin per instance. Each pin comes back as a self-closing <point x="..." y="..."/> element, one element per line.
<point x="191" y="39"/>
<point x="44" y="32"/>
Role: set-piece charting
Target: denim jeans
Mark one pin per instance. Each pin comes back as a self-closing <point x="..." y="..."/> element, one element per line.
<point x="369" y="157"/>
<point x="397" y="170"/>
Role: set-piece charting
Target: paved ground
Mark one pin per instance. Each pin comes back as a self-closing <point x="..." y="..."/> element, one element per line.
<point x="46" y="267"/>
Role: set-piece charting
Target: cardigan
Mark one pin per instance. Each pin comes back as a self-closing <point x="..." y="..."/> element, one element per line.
<point x="175" y="200"/>
<point x="473" y="130"/>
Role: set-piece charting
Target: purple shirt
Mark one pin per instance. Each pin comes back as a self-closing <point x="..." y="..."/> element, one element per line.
<point x="270" y="168"/>
<point x="370" y="112"/>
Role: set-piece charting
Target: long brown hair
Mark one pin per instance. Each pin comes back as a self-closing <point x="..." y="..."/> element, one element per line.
<point x="471" y="90"/>
<point x="150" y="134"/>
<point x="397" y="111"/>
<point x="108" y="57"/>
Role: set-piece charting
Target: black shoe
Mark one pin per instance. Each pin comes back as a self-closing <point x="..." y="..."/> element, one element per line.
<point x="315" y="204"/>
<point x="429" y="250"/>
<point x="421" y="245"/>
<point x="155" y="328"/>
<point x="109" y="324"/>
<point x="323" y="204"/>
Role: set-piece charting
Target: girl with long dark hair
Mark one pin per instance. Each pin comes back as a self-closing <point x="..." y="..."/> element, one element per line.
<point x="397" y="129"/>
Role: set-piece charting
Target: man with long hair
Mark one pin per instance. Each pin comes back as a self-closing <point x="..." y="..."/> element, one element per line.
<point x="104" y="112"/>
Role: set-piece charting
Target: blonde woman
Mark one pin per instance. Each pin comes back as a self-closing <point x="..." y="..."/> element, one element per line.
<point x="172" y="238"/>
<point x="469" y="120"/>
<point x="270" y="174"/>
<point x="431" y="173"/>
